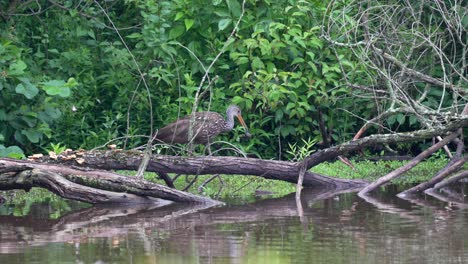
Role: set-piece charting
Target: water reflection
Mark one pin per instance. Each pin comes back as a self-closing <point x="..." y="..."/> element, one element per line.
<point x="334" y="228"/>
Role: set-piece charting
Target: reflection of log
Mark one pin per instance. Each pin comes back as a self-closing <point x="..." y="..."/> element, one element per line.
<point x="16" y="174"/>
<point x="185" y="229"/>
<point x="390" y="208"/>
<point x="111" y="221"/>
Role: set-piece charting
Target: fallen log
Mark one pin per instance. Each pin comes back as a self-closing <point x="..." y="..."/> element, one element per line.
<point x="201" y="165"/>
<point x="77" y="183"/>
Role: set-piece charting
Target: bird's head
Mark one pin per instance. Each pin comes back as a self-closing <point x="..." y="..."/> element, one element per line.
<point x="234" y="110"/>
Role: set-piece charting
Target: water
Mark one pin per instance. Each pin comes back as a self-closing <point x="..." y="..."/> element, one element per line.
<point x="333" y="228"/>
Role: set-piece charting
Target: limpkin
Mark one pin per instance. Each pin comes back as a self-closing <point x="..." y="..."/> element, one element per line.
<point x="207" y="126"/>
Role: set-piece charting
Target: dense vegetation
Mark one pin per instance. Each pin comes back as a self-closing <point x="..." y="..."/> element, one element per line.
<point x="78" y="74"/>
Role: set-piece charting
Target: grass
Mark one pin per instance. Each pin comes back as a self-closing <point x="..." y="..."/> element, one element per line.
<point x="239" y="188"/>
<point x="370" y="170"/>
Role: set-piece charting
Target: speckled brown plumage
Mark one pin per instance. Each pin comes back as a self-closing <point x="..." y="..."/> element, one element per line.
<point x="206" y="127"/>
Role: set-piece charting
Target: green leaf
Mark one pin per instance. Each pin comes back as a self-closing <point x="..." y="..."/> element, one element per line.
<point x="176" y="31"/>
<point x="224" y="23"/>
<point x="17" y="68"/>
<point x="297" y="60"/>
<point x="391" y="120"/>
<point x="290" y="106"/>
<point x="52" y="112"/>
<point x="257" y="63"/>
<point x="26" y="88"/>
<point x="401" y="119"/>
<point x="32" y="134"/>
<point x="91" y="34"/>
<point x="413" y="120"/>
<point x="234" y="7"/>
<point x="179" y="15"/>
<point x="11" y="152"/>
<point x="71" y="82"/>
<point x="56" y="87"/>
<point x="188" y="23"/>
<point x="134" y="35"/>
<point x="3" y="115"/>
<point x="242" y="60"/>
<point x="279" y="115"/>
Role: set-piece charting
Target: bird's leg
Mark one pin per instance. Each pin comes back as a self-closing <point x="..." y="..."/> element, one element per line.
<point x="208" y="146"/>
<point x="190" y="183"/>
<point x="221" y="186"/>
<point x="202" y="186"/>
<point x="190" y="148"/>
<point x="167" y="179"/>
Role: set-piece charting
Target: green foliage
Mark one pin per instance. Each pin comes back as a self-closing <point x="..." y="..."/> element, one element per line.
<point x="28" y="106"/>
<point x="276" y="67"/>
<point x="298" y="153"/>
<point x="56" y="148"/>
<point x="286" y="72"/>
<point x="14" y="152"/>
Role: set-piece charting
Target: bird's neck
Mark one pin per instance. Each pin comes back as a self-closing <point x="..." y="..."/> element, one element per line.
<point x="229" y="122"/>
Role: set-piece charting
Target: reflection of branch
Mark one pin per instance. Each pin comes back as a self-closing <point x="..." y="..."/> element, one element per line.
<point x="390" y="208"/>
<point x="455" y="178"/>
<point x="444" y="198"/>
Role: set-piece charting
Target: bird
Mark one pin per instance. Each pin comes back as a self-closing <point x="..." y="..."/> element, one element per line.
<point x="206" y="127"/>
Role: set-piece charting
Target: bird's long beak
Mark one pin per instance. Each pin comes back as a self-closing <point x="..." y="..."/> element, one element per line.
<point x="241" y="120"/>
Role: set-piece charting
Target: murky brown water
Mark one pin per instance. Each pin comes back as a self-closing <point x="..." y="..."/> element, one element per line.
<point x="334" y="229"/>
